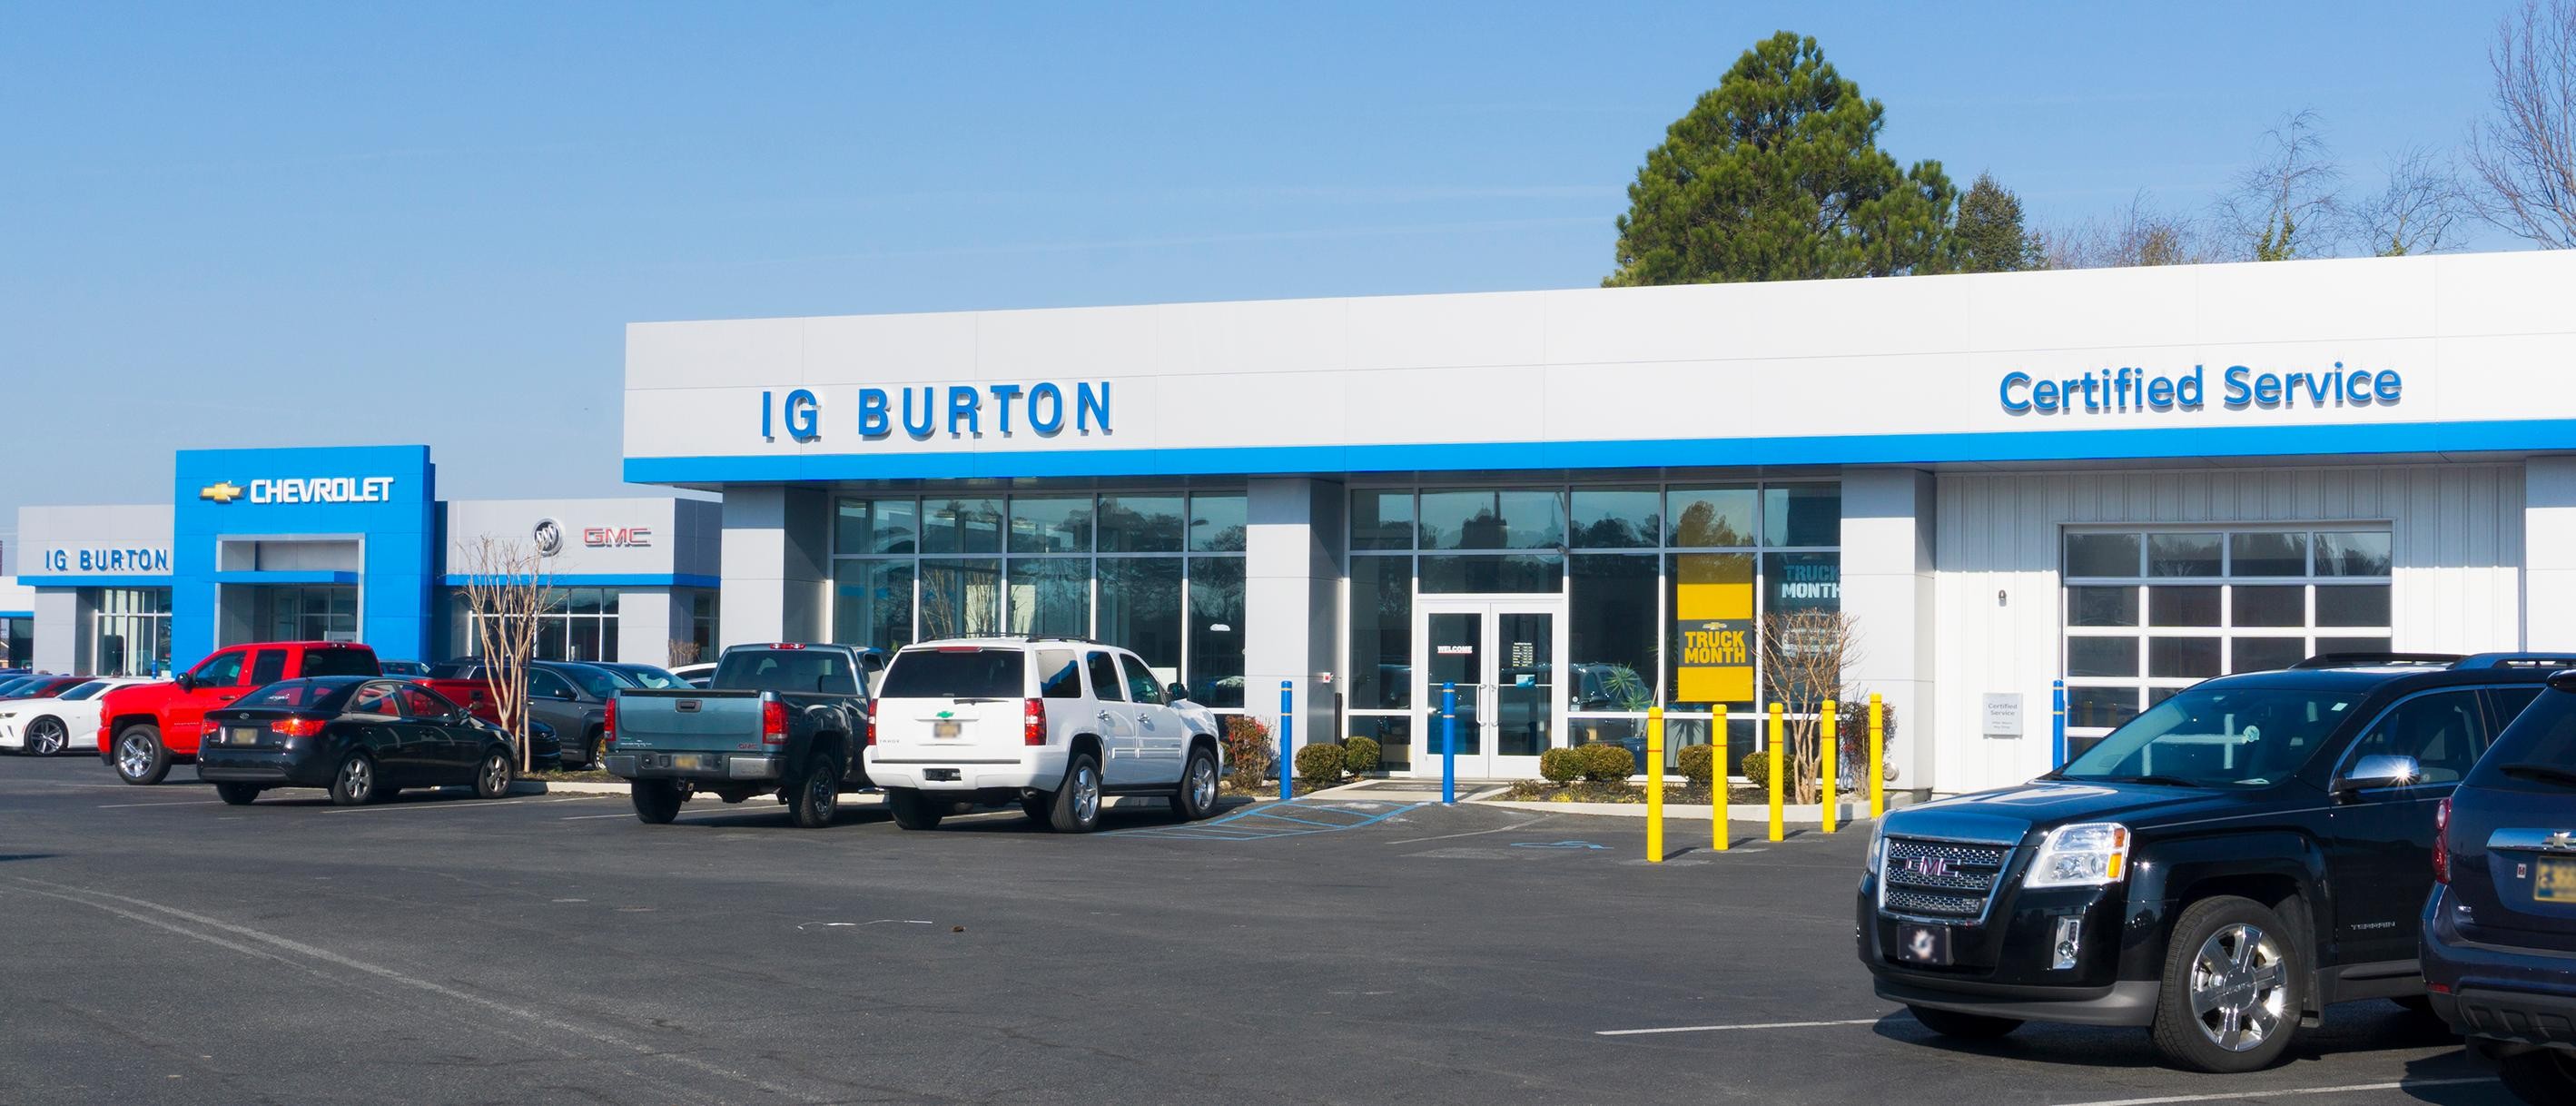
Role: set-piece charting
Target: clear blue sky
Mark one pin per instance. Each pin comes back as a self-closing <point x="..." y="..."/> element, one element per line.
<point x="236" y="225"/>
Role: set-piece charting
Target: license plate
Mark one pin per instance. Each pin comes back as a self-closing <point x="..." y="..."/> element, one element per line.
<point x="241" y="735"/>
<point x="2554" y="880"/>
<point x="1923" y="944"/>
<point x="692" y="761"/>
<point x="944" y="729"/>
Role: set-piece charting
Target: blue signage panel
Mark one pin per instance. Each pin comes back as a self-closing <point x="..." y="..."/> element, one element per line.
<point x="384" y="497"/>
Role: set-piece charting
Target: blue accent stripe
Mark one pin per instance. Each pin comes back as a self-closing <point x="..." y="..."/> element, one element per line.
<point x="1849" y="449"/>
<point x="286" y="576"/>
<point x="610" y="580"/>
<point x="17" y="614"/>
<point x="95" y="581"/>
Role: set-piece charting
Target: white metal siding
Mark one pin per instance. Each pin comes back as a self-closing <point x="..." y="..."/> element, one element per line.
<point x="2456" y="537"/>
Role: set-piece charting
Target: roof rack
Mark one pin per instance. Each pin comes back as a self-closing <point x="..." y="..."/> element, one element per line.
<point x="2380" y="660"/>
<point x="2518" y="660"/>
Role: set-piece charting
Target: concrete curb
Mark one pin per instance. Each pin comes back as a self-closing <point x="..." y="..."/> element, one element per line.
<point x="1810" y="814"/>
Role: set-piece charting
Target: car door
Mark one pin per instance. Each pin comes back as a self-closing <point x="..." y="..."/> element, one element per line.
<point x="1160" y="735"/>
<point x="449" y="748"/>
<point x="213" y="685"/>
<point x="2379" y="851"/>
<point x="553" y="701"/>
<point x="1111" y="717"/>
<point x="374" y="720"/>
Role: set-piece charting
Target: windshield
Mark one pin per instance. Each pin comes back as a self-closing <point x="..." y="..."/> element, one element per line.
<point x="599" y="683"/>
<point x="2541" y="738"/>
<point x="655" y="678"/>
<point x="786" y="670"/>
<point x="83" y="691"/>
<point x="299" y="695"/>
<point x="955" y="674"/>
<point x="2217" y="737"/>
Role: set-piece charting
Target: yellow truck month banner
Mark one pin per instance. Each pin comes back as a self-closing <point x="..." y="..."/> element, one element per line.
<point x="1713" y="627"/>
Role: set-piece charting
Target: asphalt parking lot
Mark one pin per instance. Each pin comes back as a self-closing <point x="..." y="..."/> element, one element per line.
<point x="163" y="947"/>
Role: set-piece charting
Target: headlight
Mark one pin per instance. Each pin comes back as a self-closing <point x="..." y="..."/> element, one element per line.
<point x="1877" y="846"/>
<point x="2085" y="854"/>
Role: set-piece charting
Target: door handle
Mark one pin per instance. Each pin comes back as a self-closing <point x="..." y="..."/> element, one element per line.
<point x="1104" y="716"/>
<point x="1145" y="720"/>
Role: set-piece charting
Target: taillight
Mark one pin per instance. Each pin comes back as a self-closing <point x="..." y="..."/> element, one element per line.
<point x="773" y="722"/>
<point x="608" y="724"/>
<point x="296" y="727"/>
<point x="2442" y="842"/>
<point x="871" y="726"/>
<point x="1033" y="721"/>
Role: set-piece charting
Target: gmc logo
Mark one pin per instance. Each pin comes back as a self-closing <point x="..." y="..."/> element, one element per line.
<point x="1927" y="866"/>
<point x="618" y="537"/>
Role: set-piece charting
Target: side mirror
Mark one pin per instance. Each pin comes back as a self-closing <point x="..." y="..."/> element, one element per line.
<point x="2379" y="770"/>
<point x="1178" y="692"/>
<point x="185" y="681"/>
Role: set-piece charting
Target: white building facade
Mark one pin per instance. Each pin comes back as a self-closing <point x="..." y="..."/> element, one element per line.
<point x="1573" y="505"/>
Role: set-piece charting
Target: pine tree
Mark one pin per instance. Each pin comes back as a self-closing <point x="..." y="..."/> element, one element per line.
<point x="1988" y="238"/>
<point x="1776" y="174"/>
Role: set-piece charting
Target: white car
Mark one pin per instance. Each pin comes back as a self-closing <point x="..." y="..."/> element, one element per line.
<point x="44" y="727"/>
<point x="1055" y="724"/>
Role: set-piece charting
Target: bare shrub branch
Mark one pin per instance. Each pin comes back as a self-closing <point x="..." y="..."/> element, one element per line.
<point x="2525" y="153"/>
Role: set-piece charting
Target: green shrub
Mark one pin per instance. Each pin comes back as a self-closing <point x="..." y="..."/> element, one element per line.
<point x="1757" y="769"/>
<point x="1361" y="754"/>
<point x="1605" y="762"/>
<point x="1249" y="758"/>
<point x="1320" y="763"/>
<point x="1562" y="765"/>
<point x="1698" y="763"/>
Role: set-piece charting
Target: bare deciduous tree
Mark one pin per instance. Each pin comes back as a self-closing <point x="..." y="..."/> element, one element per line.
<point x="683" y="652"/>
<point x="1805" y="652"/>
<point x="2142" y="234"/>
<point x="508" y="588"/>
<point x="2287" y="205"/>
<point x="2419" y="209"/>
<point x="2525" y="154"/>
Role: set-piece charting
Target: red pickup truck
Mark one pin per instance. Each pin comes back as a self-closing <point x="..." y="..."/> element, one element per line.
<point x="145" y="728"/>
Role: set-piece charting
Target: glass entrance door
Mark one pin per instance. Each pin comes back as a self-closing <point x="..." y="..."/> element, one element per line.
<point x="1501" y="657"/>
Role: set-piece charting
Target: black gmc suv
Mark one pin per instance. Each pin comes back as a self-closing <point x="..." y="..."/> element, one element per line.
<point x="2221" y="868"/>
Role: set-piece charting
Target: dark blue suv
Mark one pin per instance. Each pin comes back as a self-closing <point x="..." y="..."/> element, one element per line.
<point x="2499" y="932"/>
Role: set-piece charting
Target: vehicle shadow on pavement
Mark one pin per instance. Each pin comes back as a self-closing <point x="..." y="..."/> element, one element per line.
<point x="2450" y="1070"/>
<point x="2359" y="1027"/>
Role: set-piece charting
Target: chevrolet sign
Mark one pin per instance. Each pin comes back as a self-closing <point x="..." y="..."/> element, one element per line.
<point x="304" y="489"/>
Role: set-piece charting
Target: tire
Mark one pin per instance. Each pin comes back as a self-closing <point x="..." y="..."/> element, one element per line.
<point x="1076" y="805"/>
<point x="45" y="737"/>
<point x="141" y="758"/>
<point x="2232" y="993"/>
<point x="1195" y="796"/>
<point x="1037" y="805"/>
<point x="2543" y="1078"/>
<point x="1965" y="1027"/>
<point x="817" y="794"/>
<point x="237" y="794"/>
<point x="354" y="784"/>
<point x="591" y="753"/>
<point x="492" y="778"/>
<point x="913" y="810"/>
<point x="657" y="802"/>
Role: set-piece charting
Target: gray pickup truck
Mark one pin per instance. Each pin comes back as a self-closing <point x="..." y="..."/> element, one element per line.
<point x="788" y="720"/>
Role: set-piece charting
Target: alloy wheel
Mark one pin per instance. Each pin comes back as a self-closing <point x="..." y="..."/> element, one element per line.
<point x="1202" y="785"/>
<point x="822" y="793"/>
<point x="1086" y="794"/>
<point x="2239" y="987"/>
<point x="496" y="774"/>
<point x="134" y="756"/>
<point x="46" y="738"/>
<point x="356" y="778"/>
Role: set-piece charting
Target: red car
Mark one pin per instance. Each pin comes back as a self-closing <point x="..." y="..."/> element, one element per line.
<point x="145" y="728"/>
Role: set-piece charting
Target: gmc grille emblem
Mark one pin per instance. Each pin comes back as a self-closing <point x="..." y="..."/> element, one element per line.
<point x="1927" y="866"/>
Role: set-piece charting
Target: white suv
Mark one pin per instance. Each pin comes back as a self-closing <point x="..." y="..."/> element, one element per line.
<point x="1053" y="723"/>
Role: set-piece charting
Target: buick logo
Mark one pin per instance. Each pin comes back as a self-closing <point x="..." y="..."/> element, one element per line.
<point x="549" y="537"/>
<point x="1933" y="866"/>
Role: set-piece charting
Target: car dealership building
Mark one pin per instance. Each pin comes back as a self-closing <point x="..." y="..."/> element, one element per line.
<point x="1576" y="504"/>
<point x="346" y="544"/>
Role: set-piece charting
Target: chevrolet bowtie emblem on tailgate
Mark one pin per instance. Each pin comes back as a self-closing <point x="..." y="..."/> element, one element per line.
<point x="2561" y="841"/>
<point x="224" y="491"/>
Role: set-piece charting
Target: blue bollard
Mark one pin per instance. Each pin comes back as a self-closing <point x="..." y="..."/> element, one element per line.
<point x="1449" y="744"/>
<point x="2057" y="723"/>
<point x="1287" y="740"/>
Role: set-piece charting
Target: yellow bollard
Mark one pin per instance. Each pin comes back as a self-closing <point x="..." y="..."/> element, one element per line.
<point x="1831" y="717"/>
<point x="1771" y="757"/>
<point x="1717" y="764"/>
<point x="1877" y="757"/>
<point x="1654" y="785"/>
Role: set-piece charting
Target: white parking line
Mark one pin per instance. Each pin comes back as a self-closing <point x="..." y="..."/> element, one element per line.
<point x="587" y="817"/>
<point x="455" y="804"/>
<point x="1724" y="1028"/>
<point x="121" y="806"/>
<point x="2239" y="1096"/>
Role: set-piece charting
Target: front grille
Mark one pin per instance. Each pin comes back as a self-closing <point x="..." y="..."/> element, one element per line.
<point x="1939" y="879"/>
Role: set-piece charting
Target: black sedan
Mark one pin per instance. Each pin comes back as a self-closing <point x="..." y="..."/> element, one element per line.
<point x="363" y="738"/>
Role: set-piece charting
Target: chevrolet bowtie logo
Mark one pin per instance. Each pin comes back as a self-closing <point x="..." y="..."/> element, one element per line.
<point x="221" y="492"/>
<point x="2560" y="841"/>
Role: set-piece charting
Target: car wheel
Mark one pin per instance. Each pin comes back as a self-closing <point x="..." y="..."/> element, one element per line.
<point x="817" y="796"/>
<point x="2230" y="1001"/>
<point x="355" y="783"/>
<point x="913" y="810"/>
<point x="237" y="794"/>
<point x="591" y="750"/>
<point x="657" y="801"/>
<point x="47" y="737"/>
<point x="141" y="759"/>
<point x="492" y="780"/>
<point x="1077" y="804"/>
<point x="2544" y="1077"/>
<point x="1966" y="1027"/>
<point x="1195" y="798"/>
